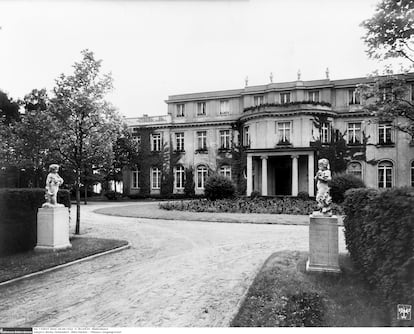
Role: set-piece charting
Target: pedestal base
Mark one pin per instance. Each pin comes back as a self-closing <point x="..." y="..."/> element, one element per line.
<point x="52" y="229"/>
<point x="323" y="244"/>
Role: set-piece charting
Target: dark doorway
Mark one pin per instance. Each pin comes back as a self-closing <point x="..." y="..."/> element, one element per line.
<point x="283" y="175"/>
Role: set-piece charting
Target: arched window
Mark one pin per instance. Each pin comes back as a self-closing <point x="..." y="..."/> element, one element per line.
<point x="385" y="170"/>
<point x="355" y="168"/>
<point x="201" y="176"/>
<point x="412" y="174"/>
<point x="225" y="171"/>
<point x="179" y="174"/>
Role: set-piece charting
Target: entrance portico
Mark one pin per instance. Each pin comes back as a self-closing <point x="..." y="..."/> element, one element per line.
<point x="281" y="171"/>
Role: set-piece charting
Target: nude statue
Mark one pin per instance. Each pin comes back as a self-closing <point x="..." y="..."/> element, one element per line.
<point x="53" y="181"/>
<point x="323" y="176"/>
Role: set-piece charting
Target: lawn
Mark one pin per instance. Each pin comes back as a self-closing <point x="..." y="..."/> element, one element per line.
<point x="284" y="294"/>
<point x="20" y="264"/>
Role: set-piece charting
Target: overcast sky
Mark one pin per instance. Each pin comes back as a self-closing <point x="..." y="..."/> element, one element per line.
<point x="159" y="48"/>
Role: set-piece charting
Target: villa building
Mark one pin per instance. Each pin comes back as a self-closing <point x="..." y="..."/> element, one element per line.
<point x="267" y="139"/>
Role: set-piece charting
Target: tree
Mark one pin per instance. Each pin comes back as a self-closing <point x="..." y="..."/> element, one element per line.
<point x="390" y="34"/>
<point x="9" y="109"/>
<point x="87" y="125"/>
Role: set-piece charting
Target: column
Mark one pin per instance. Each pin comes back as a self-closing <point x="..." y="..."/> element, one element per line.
<point x="249" y="173"/>
<point x="311" y="175"/>
<point x="264" y="175"/>
<point x="295" y="175"/>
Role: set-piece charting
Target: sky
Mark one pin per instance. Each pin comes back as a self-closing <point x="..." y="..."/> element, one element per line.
<point x="159" y="48"/>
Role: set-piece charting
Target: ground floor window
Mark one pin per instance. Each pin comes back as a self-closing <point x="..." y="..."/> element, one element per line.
<point x="179" y="177"/>
<point x="225" y="171"/>
<point x="201" y="176"/>
<point x="385" y="169"/>
<point x="135" y="179"/>
<point x="155" y="178"/>
<point x="355" y="168"/>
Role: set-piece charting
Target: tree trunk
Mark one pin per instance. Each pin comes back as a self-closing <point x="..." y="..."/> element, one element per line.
<point x="77" y="187"/>
<point x="85" y="200"/>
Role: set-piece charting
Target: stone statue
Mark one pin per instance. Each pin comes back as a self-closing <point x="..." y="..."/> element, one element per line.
<point x="299" y="74"/>
<point x="323" y="176"/>
<point x="53" y="181"/>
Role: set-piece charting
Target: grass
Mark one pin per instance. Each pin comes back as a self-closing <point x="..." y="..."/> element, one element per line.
<point x="284" y="294"/>
<point x="20" y="264"/>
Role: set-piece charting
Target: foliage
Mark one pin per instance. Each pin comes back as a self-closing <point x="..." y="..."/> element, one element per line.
<point x="282" y="205"/>
<point x="379" y="233"/>
<point x="303" y="195"/>
<point x="340" y="183"/>
<point x="86" y="124"/>
<point x="18" y="212"/>
<point x="9" y="109"/>
<point x="255" y="194"/>
<point x="218" y="187"/>
<point x="189" y="182"/>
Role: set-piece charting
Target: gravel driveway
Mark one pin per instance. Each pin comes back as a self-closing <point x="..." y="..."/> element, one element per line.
<point x="176" y="273"/>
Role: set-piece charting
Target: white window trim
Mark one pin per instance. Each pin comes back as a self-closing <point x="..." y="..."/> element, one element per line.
<point x="135" y="178"/>
<point x="153" y="140"/>
<point x="227" y="168"/>
<point x="198" y="136"/>
<point x="176" y="169"/>
<point x="412" y="173"/>
<point x="385" y="126"/>
<point x="227" y="143"/>
<point x="158" y="186"/>
<point x="354" y="128"/>
<point x="392" y="173"/>
<point x="224" y="112"/>
<point x="198" y="108"/>
<point x="181" y="141"/>
<point x="280" y="137"/>
<point x="202" y="180"/>
<point x="284" y="94"/>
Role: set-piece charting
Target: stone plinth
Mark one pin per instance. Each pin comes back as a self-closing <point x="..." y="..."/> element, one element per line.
<point x="52" y="228"/>
<point x="323" y="244"/>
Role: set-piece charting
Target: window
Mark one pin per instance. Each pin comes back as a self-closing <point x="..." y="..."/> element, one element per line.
<point x="180" y="110"/>
<point x="354" y="133"/>
<point x="202" y="140"/>
<point x="387" y="94"/>
<point x="385" y="174"/>
<point x="384" y="133"/>
<point x="284" y="98"/>
<point x="225" y="171"/>
<point x="353" y="97"/>
<point x="412" y="174"/>
<point x="179" y="141"/>
<point x="201" y="176"/>
<point x="156" y="142"/>
<point x="324" y="132"/>
<point x="137" y="140"/>
<point x="225" y="139"/>
<point x="284" y="132"/>
<point x="155" y="178"/>
<point x="179" y="177"/>
<point x="135" y="179"/>
<point x="224" y="107"/>
<point x="258" y="100"/>
<point x="201" y="108"/>
<point x="355" y="168"/>
<point x="246" y="136"/>
<point x="313" y="95"/>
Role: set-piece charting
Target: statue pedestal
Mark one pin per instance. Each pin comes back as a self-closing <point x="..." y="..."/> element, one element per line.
<point x="323" y="244"/>
<point x="52" y="228"/>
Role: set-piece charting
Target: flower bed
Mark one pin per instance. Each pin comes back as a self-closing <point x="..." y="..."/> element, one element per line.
<point x="283" y="205"/>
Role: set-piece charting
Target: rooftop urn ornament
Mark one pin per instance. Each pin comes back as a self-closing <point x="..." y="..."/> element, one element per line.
<point x="246" y="81"/>
<point x="299" y="74"/>
<point x="323" y="176"/>
<point x="53" y="181"/>
<point x="271" y="77"/>
<point x="327" y="73"/>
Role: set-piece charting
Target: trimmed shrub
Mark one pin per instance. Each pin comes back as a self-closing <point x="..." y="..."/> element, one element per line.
<point x="18" y="212"/>
<point x="379" y="233"/>
<point x="219" y="187"/>
<point x="342" y="182"/>
<point x="112" y="195"/>
<point x="255" y="194"/>
<point x="304" y="195"/>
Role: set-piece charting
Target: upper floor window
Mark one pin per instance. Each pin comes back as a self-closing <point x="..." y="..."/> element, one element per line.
<point x="324" y="132"/>
<point x="137" y="140"/>
<point x="246" y="136"/>
<point x="201" y="109"/>
<point x="313" y="95"/>
<point x="384" y="133"/>
<point x="224" y="139"/>
<point x="179" y="141"/>
<point x="202" y="140"/>
<point x="284" y="129"/>
<point x="354" y="133"/>
<point x="180" y="110"/>
<point x="155" y="178"/>
<point x="179" y="174"/>
<point x="224" y="107"/>
<point x="258" y="100"/>
<point x="355" y="168"/>
<point x="225" y="171"/>
<point x="387" y="94"/>
<point x="201" y="176"/>
<point x="135" y="179"/>
<point x="385" y="174"/>
<point x="284" y="98"/>
<point x="353" y="97"/>
<point x="156" y="142"/>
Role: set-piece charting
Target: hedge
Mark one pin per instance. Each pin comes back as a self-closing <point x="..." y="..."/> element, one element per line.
<point x="342" y="182"/>
<point x="18" y="212"/>
<point x="379" y="234"/>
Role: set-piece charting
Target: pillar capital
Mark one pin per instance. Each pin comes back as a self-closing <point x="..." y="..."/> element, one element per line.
<point x="263" y="157"/>
<point x="294" y="156"/>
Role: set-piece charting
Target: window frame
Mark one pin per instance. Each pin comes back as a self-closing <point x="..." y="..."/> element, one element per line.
<point x="282" y="98"/>
<point x="282" y="136"/>
<point x="348" y="137"/>
<point x="179" y="142"/>
<point x="180" y="110"/>
<point x="225" y="170"/>
<point x="382" y="183"/>
<point x="359" y="174"/>
<point x="156" y="140"/>
<point x="312" y="94"/>
<point x="325" y="133"/>
<point x="225" y="139"/>
<point x="203" y="170"/>
<point x="246" y="136"/>
<point x="201" y="140"/>
<point x="157" y="185"/>
<point x="203" y="109"/>
<point x="354" y="98"/>
<point x="179" y="175"/>
<point x="224" y="111"/>
<point x="258" y="100"/>
<point x="135" y="176"/>
<point x="384" y="126"/>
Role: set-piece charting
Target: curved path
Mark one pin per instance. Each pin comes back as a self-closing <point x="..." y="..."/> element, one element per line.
<point x="176" y="273"/>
